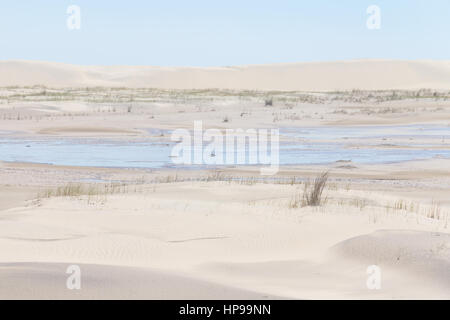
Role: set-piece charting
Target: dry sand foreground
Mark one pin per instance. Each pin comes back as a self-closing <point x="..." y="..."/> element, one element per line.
<point x="224" y="233"/>
<point x="222" y="239"/>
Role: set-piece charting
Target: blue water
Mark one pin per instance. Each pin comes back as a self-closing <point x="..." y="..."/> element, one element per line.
<point x="312" y="148"/>
<point x="87" y="152"/>
<point x="328" y="153"/>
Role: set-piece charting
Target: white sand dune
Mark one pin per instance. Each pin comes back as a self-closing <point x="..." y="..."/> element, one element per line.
<point x="48" y="281"/>
<point x="425" y="254"/>
<point x="413" y="265"/>
<point x="219" y="240"/>
<point x="317" y="76"/>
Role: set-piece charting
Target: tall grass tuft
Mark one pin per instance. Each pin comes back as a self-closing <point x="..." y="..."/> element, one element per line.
<point x="312" y="195"/>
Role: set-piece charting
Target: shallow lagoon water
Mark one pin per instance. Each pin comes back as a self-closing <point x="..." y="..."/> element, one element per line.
<point x="86" y="152"/>
<point x="156" y="154"/>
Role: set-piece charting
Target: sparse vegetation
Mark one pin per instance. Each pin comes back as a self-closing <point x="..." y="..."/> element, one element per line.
<point x="80" y="189"/>
<point x="312" y="195"/>
<point x="286" y="99"/>
<point x="312" y="192"/>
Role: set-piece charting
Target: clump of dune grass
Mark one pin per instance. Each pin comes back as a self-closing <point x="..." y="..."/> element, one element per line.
<point x="431" y="211"/>
<point x="312" y="194"/>
<point x="80" y="189"/>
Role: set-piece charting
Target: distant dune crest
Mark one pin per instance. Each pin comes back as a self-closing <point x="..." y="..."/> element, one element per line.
<point x="318" y="76"/>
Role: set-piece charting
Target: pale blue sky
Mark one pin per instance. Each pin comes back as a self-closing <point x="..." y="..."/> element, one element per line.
<point x="221" y="33"/>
